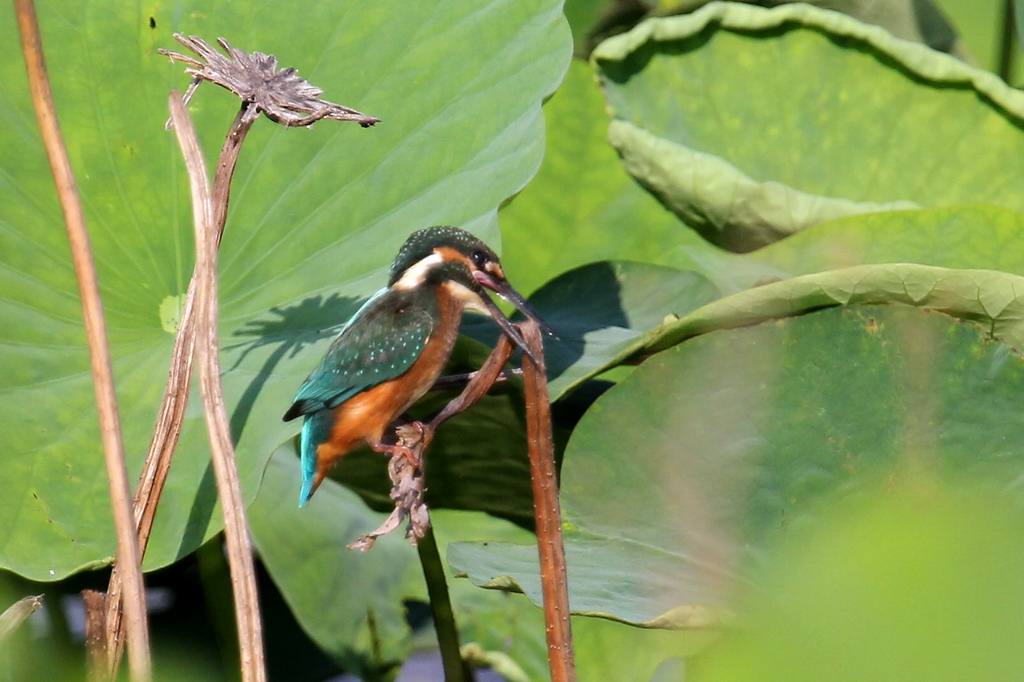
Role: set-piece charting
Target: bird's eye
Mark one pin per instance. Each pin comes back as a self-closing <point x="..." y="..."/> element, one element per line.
<point x="479" y="258"/>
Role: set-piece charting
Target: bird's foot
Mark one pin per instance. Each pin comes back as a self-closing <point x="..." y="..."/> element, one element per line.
<point x="398" y="450"/>
<point x="419" y="427"/>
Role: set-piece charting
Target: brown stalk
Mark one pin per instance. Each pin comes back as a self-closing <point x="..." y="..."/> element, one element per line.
<point x="285" y="98"/>
<point x="95" y="637"/>
<point x="99" y="353"/>
<point x="480" y="383"/>
<point x="544" y="478"/>
<point x="236" y="533"/>
<point x="172" y="410"/>
<point x="407" y="476"/>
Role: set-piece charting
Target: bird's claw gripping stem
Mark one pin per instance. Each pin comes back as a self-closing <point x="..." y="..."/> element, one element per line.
<point x="398" y="449"/>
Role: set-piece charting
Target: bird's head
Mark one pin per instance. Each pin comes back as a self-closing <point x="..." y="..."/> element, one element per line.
<point x="449" y="256"/>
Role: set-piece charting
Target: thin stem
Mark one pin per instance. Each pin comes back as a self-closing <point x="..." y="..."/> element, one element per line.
<point x="171" y="415"/>
<point x="481" y="382"/>
<point x="1007" y="41"/>
<point x="236" y="534"/>
<point x="455" y="670"/>
<point x="95" y="329"/>
<point x="547" y="515"/>
<point x="226" y="163"/>
<point x="155" y="469"/>
<point x="454" y="380"/>
<point x="409" y="485"/>
<point x="376" y="650"/>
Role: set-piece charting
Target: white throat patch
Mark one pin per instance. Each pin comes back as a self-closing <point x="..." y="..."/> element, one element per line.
<point x="469" y="298"/>
<point x="417" y="273"/>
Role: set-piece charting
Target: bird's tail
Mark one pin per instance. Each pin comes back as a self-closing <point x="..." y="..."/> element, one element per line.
<point x="315" y="430"/>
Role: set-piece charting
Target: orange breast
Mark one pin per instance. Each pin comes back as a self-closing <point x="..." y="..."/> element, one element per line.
<point x="366" y="416"/>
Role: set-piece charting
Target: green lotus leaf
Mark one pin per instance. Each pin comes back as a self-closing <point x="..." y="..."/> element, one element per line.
<point x="895" y="563"/>
<point x="922" y="21"/>
<point x="350" y="603"/>
<point x="981" y="25"/>
<point x="334" y="592"/>
<point x="585" y="17"/>
<point x="316" y="216"/>
<point x="729" y="208"/>
<point x="680" y="480"/>
<point x="986" y="296"/>
<point x="962" y="237"/>
<point x="582" y="206"/>
<point x="1018" y="15"/>
<point x="689" y="96"/>
<point x="919" y="20"/>
<point x="598" y="310"/>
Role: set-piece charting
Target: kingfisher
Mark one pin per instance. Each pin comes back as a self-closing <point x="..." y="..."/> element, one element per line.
<point x="394" y="347"/>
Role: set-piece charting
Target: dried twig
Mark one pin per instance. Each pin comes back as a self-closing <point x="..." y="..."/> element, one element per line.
<point x="408" y="487"/>
<point x="172" y="410"/>
<point x="546" y="511"/>
<point x="280" y="94"/>
<point x="99" y="352"/>
<point x="481" y="383"/>
<point x="285" y="99"/>
<point x="236" y="533"/>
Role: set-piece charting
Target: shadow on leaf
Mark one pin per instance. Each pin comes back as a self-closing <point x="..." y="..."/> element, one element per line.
<point x="286" y="331"/>
<point x="574" y="304"/>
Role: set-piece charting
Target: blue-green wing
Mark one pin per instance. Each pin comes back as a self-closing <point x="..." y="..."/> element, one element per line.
<point x="381" y="341"/>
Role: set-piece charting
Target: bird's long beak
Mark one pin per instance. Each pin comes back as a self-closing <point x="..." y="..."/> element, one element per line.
<point x="507" y="327"/>
<point x="505" y="290"/>
<point x="501" y="287"/>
